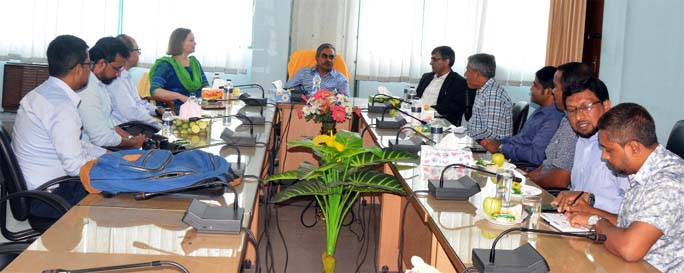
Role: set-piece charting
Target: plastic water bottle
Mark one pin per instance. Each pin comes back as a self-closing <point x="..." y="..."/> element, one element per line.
<point x="316" y="84"/>
<point x="227" y="95"/>
<point x="409" y="96"/>
<point x="167" y="123"/>
<point x="437" y="130"/>
<point x="416" y="109"/>
<point x="216" y="82"/>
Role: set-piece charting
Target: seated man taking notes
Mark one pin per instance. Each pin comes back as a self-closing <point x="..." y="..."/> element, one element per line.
<point x="330" y="78"/>
<point x="648" y="225"/>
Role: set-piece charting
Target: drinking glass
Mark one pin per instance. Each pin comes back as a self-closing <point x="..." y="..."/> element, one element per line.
<point x="504" y="183"/>
<point x="532" y="204"/>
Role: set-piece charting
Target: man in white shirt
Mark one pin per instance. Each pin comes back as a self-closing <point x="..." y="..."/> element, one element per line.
<point x="47" y="130"/>
<point x="108" y="56"/>
<point x="444" y="89"/>
<point x="126" y="104"/>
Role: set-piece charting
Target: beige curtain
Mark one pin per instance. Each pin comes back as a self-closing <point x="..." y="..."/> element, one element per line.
<point x="566" y="31"/>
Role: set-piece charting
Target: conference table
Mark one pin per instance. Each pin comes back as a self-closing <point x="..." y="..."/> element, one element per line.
<point x="103" y="231"/>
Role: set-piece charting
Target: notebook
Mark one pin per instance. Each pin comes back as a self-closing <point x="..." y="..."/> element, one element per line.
<point x="561" y="223"/>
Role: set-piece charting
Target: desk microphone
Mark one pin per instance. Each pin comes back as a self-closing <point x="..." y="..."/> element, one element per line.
<point x="459" y="189"/>
<point x="515" y="179"/>
<point x="372" y="108"/>
<point x="394" y="123"/>
<point x="522" y="259"/>
<point x="410" y="145"/>
<point x="237" y="138"/>
<point x="176" y="265"/>
<point x="252" y="101"/>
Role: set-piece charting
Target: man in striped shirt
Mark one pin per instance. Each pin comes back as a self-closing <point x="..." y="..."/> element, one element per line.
<point x="492" y="117"/>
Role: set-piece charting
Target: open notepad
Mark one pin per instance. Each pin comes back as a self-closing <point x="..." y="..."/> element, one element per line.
<point x="561" y="223"/>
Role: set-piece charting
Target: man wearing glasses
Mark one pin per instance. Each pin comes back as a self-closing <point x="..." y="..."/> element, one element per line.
<point x="444" y="89"/>
<point x="108" y="57"/>
<point x="126" y="104"/>
<point x="331" y="79"/>
<point x="591" y="179"/>
<point x="47" y="131"/>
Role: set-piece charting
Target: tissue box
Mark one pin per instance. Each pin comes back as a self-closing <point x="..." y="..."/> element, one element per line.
<point x="283" y="96"/>
<point x="429" y="156"/>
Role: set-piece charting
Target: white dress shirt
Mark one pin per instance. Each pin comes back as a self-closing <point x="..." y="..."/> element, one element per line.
<point x="47" y="134"/>
<point x="96" y="113"/>
<point x="431" y="92"/>
<point x="127" y="105"/>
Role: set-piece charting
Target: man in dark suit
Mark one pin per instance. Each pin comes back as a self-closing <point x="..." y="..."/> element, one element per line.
<point x="444" y="89"/>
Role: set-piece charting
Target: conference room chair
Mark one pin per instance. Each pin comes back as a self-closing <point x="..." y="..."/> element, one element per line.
<point x="675" y="143"/>
<point x="520" y="110"/>
<point x="144" y="92"/>
<point x="307" y="58"/>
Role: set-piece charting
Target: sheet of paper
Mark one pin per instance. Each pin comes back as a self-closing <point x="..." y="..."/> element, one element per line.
<point x="561" y="223"/>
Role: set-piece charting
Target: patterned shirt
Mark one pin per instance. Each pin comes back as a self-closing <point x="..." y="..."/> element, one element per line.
<point x="655" y="197"/>
<point x="332" y="81"/>
<point x="492" y="113"/>
<point x="591" y="174"/>
<point x="530" y="143"/>
<point x="561" y="150"/>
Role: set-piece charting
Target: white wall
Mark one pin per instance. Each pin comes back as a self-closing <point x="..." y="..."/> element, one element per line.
<point x="642" y="57"/>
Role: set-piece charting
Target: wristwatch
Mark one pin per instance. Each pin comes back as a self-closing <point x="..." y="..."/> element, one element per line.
<point x="593" y="220"/>
<point x="592" y="199"/>
<point x="500" y="147"/>
<point x="130" y="136"/>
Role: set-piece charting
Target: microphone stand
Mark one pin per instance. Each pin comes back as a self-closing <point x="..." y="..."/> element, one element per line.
<point x="381" y="123"/>
<point x="407" y="145"/>
<point x="379" y="109"/>
<point x="515" y="179"/>
<point x="460" y="189"/>
<point x="176" y="265"/>
<point x="239" y="139"/>
<point x="523" y="259"/>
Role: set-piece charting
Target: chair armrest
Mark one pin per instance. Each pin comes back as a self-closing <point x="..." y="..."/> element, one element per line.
<point x="57" y="181"/>
<point x="53" y="200"/>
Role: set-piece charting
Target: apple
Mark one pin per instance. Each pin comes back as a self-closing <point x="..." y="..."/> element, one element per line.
<point x="491" y="206"/>
<point x="498" y="159"/>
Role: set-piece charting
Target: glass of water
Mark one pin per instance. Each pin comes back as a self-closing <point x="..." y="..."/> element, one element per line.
<point x="504" y="184"/>
<point x="532" y="205"/>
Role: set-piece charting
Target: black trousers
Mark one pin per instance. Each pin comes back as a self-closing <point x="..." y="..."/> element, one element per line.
<point x="71" y="192"/>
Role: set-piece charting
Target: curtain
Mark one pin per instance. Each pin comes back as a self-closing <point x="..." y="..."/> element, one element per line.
<point x="222" y="29"/>
<point x="395" y="44"/>
<point x="28" y="26"/>
<point x="566" y="30"/>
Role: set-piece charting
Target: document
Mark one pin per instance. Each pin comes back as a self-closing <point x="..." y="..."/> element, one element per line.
<point x="561" y="223"/>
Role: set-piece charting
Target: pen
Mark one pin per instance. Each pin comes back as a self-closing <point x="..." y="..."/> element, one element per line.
<point x="576" y="198"/>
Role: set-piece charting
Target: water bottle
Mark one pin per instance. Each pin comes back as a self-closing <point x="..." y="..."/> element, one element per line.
<point x="316" y="84"/>
<point x="216" y="82"/>
<point x="227" y="95"/>
<point x="409" y="96"/>
<point x="416" y="109"/>
<point x="167" y="123"/>
<point x="437" y="130"/>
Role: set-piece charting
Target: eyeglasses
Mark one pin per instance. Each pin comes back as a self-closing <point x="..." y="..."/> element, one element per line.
<point x="436" y="59"/>
<point x="137" y="49"/>
<point x="584" y="108"/>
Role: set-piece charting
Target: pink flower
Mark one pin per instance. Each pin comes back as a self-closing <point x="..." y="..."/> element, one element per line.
<point x="339" y="113"/>
<point x="322" y="94"/>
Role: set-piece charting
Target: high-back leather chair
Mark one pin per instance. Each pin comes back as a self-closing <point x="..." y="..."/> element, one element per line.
<point x="307" y="58"/>
<point x="675" y="143"/>
<point x="520" y="110"/>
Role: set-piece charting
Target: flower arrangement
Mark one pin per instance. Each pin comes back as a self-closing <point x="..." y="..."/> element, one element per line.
<point x="326" y="106"/>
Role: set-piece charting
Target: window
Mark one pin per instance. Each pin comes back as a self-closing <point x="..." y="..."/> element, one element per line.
<point x="395" y="44"/>
<point x="223" y="29"/>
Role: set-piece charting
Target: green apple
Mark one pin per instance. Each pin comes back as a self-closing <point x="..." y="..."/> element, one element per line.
<point x="491" y="206"/>
<point x="498" y="159"/>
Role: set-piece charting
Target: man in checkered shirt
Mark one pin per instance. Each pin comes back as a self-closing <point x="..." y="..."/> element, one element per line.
<point x="492" y="117"/>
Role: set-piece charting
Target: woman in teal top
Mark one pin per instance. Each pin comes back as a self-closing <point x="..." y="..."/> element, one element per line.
<point x="175" y="78"/>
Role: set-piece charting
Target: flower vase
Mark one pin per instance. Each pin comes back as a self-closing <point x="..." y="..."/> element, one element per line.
<point x="328" y="128"/>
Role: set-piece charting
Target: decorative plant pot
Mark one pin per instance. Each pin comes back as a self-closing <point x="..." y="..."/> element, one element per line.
<point x="328" y="128"/>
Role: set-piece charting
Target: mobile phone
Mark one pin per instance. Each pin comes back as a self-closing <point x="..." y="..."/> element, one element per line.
<point x="549" y="208"/>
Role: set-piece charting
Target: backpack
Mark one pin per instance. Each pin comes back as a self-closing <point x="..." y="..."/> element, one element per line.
<point x="152" y="171"/>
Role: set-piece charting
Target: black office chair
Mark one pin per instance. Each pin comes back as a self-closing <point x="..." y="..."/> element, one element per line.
<point x="675" y="143"/>
<point x="520" y="110"/>
<point x="13" y="190"/>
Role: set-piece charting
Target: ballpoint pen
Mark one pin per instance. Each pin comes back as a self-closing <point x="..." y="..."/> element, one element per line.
<point x="574" y="201"/>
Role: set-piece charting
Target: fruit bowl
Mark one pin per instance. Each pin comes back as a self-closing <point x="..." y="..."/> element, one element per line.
<point x="185" y="127"/>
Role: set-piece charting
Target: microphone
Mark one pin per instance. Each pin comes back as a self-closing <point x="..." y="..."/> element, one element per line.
<point x="459" y="189"/>
<point x="257" y="120"/>
<point x="522" y="259"/>
<point x="372" y="108"/>
<point x="394" y="123"/>
<point x="410" y="146"/>
<point x="297" y="91"/>
<point x="176" y="265"/>
<point x="253" y="101"/>
<point x="238" y="138"/>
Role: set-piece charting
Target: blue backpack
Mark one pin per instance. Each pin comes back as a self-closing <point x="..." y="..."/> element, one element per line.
<point x="152" y="171"/>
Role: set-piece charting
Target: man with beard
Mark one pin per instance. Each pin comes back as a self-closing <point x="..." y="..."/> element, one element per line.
<point x="444" y="89"/>
<point x="108" y="56"/>
<point x="648" y="224"/>
<point x="331" y="79"/>
<point x="47" y="131"/>
<point x="597" y="185"/>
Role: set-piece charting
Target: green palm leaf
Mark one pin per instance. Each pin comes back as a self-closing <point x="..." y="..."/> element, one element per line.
<point x="371" y="158"/>
<point x="301" y="188"/>
<point x="289" y="175"/>
<point x="371" y="181"/>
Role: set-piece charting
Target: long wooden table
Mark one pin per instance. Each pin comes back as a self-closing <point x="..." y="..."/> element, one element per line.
<point x="120" y="230"/>
<point x="444" y="233"/>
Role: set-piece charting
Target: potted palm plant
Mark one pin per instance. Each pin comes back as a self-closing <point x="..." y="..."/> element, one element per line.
<point x="345" y="171"/>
